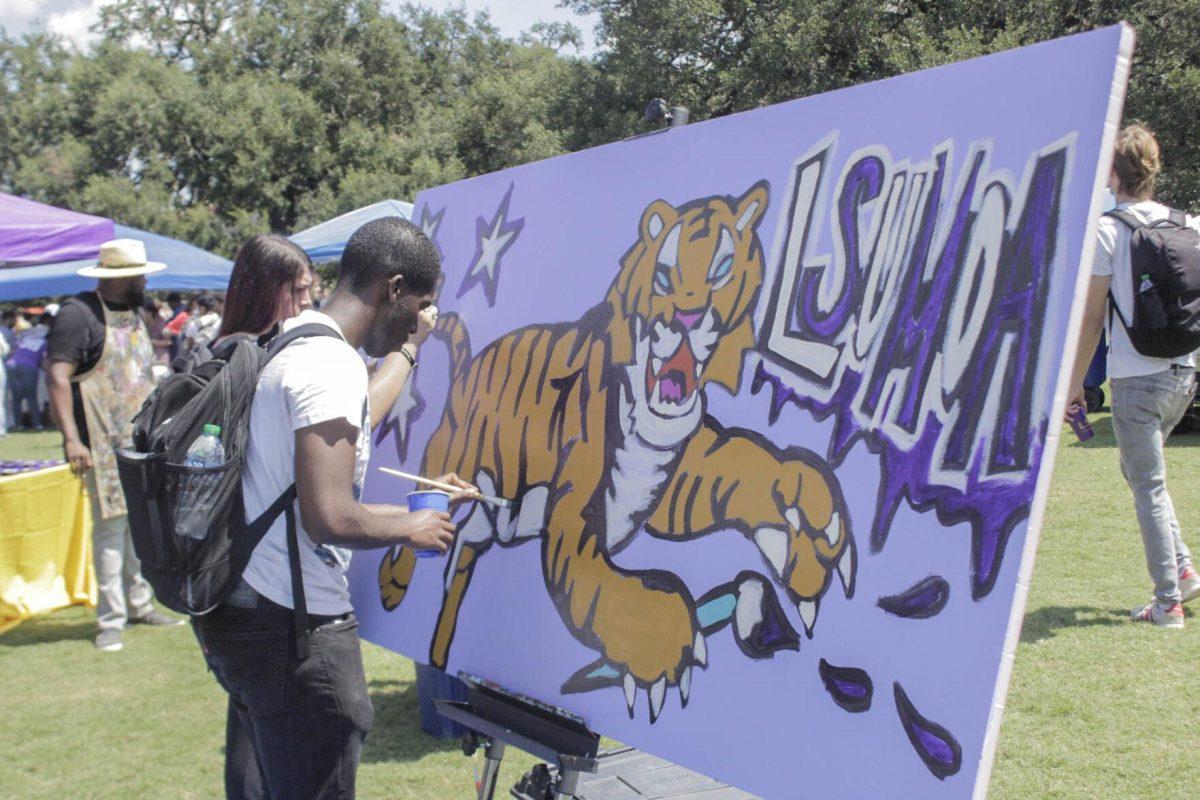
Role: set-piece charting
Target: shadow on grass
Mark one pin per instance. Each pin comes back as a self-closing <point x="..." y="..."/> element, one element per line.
<point x="396" y="734"/>
<point x="48" y="630"/>
<point x="1047" y="621"/>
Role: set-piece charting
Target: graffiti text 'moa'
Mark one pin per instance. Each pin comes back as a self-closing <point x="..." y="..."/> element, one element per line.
<point x="922" y="330"/>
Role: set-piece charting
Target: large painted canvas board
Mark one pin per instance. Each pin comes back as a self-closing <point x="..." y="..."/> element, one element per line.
<point x="778" y="395"/>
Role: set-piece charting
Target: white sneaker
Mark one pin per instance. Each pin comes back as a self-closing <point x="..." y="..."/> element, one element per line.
<point x="1189" y="583"/>
<point x="1171" y="617"/>
<point x="108" y="641"/>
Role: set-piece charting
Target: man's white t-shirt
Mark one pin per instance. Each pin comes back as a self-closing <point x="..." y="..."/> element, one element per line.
<point x="314" y="380"/>
<point x="1113" y="259"/>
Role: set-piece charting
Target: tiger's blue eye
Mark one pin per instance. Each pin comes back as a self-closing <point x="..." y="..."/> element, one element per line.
<point x="721" y="269"/>
<point x="662" y="278"/>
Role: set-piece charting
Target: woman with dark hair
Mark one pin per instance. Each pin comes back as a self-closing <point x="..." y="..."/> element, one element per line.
<point x="269" y="283"/>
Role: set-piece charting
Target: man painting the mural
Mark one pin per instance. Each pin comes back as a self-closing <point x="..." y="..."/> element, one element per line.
<point x="1149" y="395"/>
<point x="99" y="359"/>
<point x="310" y="425"/>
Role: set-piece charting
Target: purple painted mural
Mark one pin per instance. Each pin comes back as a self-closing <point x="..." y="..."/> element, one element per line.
<point x="774" y="398"/>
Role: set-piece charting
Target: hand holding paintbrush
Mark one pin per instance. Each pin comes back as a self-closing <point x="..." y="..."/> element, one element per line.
<point x="458" y="489"/>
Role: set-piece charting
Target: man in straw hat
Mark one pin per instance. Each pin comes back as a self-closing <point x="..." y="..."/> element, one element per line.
<point x="99" y="360"/>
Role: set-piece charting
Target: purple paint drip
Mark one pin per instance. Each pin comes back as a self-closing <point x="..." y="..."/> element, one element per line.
<point x="850" y="687"/>
<point x="992" y="508"/>
<point x="935" y="745"/>
<point x="921" y="601"/>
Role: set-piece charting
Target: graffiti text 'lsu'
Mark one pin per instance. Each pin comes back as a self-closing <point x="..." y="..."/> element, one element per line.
<point x="922" y="331"/>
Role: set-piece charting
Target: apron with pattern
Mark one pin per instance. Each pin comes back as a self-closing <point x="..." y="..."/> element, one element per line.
<point x="113" y="392"/>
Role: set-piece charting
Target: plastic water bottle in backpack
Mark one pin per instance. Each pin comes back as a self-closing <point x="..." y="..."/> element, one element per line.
<point x="191" y="510"/>
<point x="1150" y="311"/>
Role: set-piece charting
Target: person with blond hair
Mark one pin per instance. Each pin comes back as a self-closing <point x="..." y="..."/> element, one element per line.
<point x="1149" y="395"/>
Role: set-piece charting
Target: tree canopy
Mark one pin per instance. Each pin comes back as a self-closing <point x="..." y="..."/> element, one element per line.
<point x="210" y="120"/>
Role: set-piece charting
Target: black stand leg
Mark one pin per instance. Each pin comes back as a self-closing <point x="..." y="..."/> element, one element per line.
<point x="493" y="754"/>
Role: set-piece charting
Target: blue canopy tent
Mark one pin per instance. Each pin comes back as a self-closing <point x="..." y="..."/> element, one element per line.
<point x="325" y="242"/>
<point x="188" y="268"/>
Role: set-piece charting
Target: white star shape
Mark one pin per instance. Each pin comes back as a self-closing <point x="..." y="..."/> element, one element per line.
<point x="408" y="400"/>
<point x="492" y="240"/>
<point x="399" y="420"/>
<point x="492" y="247"/>
<point x="431" y="222"/>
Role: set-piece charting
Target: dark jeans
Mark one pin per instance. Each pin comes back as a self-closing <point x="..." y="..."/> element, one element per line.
<point x="24" y="389"/>
<point x="295" y="728"/>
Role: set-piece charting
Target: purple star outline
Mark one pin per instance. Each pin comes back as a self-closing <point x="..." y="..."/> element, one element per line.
<point x="430" y="223"/>
<point x="401" y="427"/>
<point x="492" y="241"/>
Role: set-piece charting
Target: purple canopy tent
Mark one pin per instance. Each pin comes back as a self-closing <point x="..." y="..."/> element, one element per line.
<point x="33" y="233"/>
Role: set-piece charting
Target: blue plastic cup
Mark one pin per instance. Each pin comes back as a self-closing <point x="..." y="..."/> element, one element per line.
<point x="438" y="501"/>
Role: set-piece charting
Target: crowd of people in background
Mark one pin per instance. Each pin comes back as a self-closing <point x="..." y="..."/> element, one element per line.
<point x="179" y="325"/>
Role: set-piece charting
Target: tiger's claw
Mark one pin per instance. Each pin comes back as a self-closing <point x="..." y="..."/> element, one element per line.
<point x="808" y="615"/>
<point x="658" y="694"/>
<point x="846" y="569"/>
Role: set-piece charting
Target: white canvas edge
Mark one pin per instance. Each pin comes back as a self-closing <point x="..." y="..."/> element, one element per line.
<point x="1112" y="121"/>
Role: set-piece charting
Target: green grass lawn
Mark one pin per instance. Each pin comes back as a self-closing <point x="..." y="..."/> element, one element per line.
<point x="31" y="446"/>
<point x="1098" y="707"/>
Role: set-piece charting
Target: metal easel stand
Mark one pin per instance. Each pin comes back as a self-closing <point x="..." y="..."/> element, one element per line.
<point x="497" y="718"/>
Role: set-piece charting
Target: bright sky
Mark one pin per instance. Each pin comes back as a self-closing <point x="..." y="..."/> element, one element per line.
<point x="71" y="18"/>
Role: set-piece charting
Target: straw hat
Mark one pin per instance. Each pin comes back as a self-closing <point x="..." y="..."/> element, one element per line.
<point x="122" y="258"/>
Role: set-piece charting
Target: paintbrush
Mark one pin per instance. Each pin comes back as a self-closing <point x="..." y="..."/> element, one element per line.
<point x="445" y="487"/>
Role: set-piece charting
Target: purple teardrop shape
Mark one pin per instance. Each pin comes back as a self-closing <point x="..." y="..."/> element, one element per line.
<point x="935" y="745"/>
<point x="850" y="687"/>
<point x="920" y="601"/>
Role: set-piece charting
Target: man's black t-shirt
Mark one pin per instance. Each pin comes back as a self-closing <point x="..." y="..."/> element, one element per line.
<point x="77" y="337"/>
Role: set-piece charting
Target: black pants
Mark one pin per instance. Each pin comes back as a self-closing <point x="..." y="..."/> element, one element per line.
<point x="295" y="728"/>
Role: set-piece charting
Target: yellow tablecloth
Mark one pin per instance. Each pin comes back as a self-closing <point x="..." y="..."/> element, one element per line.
<point x="45" y="545"/>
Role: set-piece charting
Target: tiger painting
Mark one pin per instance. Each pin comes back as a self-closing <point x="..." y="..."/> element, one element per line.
<point x="596" y="430"/>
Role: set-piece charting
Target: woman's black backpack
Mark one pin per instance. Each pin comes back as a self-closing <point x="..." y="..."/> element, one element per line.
<point x="194" y="576"/>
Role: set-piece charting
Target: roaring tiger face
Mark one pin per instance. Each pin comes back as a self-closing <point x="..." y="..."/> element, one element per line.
<point x="682" y="307"/>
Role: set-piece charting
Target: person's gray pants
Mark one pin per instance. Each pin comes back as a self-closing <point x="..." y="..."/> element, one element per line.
<point x="1145" y="411"/>
<point x="118" y="571"/>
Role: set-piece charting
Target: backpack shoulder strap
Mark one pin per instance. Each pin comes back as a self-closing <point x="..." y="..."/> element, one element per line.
<point x="299" y="332"/>
<point x="1112" y="306"/>
<point x="285" y="504"/>
<point x="1123" y="216"/>
<point x="1177" y="217"/>
<point x="299" y="604"/>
